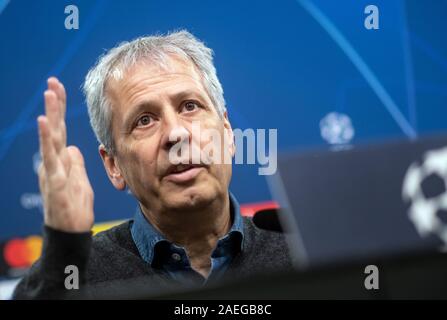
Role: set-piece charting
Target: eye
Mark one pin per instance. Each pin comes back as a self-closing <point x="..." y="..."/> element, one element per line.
<point x="144" y="120"/>
<point x="190" y="106"/>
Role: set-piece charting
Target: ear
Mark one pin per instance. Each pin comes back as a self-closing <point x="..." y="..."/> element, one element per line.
<point x="230" y="134"/>
<point x="113" y="171"/>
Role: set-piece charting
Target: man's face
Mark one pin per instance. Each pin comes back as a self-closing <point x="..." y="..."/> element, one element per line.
<point x="148" y="103"/>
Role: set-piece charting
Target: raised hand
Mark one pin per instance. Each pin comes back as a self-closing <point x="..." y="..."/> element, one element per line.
<point x="63" y="181"/>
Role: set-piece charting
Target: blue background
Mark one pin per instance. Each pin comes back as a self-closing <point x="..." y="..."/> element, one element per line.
<point x="283" y="64"/>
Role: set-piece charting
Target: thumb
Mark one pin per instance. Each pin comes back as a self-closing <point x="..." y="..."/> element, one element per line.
<point x="76" y="156"/>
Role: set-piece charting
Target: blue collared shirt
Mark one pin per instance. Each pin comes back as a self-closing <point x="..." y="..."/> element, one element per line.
<point x="172" y="259"/>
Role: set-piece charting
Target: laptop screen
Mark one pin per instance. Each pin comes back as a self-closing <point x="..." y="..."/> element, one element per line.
<point x="367" y="201"/>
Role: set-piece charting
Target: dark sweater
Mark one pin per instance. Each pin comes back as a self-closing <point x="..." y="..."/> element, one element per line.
<point x="110" y="266"/>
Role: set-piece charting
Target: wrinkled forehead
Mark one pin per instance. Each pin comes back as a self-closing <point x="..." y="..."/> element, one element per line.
<point x="172" y="67"/>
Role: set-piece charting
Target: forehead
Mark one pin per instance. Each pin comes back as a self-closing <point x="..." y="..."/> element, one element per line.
<point x="148" y="78"/>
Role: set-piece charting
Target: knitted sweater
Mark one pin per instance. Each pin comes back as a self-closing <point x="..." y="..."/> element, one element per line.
<point x="110" y="266"/>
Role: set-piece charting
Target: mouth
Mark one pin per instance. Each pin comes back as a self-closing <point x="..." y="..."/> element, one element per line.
<point x="183" y="172"/>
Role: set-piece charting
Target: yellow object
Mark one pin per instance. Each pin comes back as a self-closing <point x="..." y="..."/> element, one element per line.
<point x="99" y="227"/>
<point x="34" y="248"/>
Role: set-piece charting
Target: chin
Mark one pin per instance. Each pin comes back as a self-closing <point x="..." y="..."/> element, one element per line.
<point x="193" y="197"/>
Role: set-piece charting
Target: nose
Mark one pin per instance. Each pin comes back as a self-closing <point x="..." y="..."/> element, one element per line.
<point x="174" y="131"/>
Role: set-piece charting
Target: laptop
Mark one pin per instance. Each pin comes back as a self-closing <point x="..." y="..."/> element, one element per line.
<point x="363" y="202"/>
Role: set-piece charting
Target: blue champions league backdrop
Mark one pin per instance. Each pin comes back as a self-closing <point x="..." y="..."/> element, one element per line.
<point x="315" y="70"/>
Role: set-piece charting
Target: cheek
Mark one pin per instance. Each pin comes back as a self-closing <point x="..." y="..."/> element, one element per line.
<point x="142" y="161"/>
<point x="219" y="139"/>
<point x="221" y="171"/>
<point x="221" y="175"/>
<point x="208" y="129"/>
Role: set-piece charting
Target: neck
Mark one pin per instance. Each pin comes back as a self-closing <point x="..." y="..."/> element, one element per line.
<point x="197" y="229"/>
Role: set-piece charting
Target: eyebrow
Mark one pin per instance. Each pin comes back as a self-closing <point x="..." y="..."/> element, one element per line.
<point x="183" y="94"/>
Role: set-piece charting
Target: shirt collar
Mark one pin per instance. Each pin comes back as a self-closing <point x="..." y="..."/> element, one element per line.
<point x="146" y="237"/>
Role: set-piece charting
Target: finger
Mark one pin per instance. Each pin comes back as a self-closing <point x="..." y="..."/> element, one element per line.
<point x="64" y="157"/>
<point x="52" y="108"/>
<point x="55" y="85"/>
<point x="52" y="111"/>
<point x="41" y="176"/>
<point x="63" y="101"/>
<point x="62" y="97"/>
<point x="47" y="151"/>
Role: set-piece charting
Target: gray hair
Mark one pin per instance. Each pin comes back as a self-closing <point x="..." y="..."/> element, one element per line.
<point x="156" y="49"/>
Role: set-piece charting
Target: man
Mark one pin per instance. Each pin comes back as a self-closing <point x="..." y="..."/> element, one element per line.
<point x="143" y="98"/>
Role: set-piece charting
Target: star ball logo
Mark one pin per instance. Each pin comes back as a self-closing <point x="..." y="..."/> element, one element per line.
<point x="425" y="190"/>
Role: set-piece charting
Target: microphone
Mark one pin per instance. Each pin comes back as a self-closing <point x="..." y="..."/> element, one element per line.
<point x="268" y="219"/>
